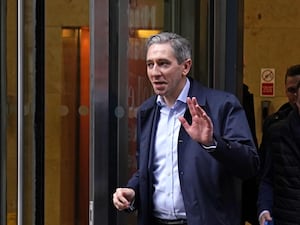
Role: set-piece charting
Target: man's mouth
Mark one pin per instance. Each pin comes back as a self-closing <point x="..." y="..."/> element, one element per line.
<point x="158" y="84"/>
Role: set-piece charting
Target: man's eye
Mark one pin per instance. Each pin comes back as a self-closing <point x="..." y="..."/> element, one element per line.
<point x="149" y="65"/>
<point x="163" y="63"/>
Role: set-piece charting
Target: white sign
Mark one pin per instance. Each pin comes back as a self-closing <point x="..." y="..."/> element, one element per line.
<point x="267" y="82"/>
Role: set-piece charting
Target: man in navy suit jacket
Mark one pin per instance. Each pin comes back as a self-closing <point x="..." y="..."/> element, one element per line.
<point x="193" y="146"/>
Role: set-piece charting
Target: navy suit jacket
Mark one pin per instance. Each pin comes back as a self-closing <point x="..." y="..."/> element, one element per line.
<point x="208" y="180"/>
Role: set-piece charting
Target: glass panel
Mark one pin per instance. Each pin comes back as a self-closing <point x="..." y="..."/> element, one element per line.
<point x="66" y="115"/>
<point x="12" y="115"/>
<point x="67" y="129"/>
<point x="67" y="112"/>
<point x="146" y="17"/>
<point x="3" y="112"/>
<point x="28" y="95"/>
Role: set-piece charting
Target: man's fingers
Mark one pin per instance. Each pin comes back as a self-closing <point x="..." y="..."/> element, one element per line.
<point x="120" y="200"/>
<point x="191" y="106"/>
<point x="183" y="122"/>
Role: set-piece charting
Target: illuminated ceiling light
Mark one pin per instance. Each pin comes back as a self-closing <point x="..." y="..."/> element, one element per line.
<point x="66" y="32"/>
<point x="143" y="33"/>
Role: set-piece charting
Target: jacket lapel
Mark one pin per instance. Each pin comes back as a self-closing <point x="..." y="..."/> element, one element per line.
<point x="149" y="121"/>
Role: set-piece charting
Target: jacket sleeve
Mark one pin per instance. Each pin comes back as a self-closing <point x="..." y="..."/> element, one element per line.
<point x="235" y="146"/>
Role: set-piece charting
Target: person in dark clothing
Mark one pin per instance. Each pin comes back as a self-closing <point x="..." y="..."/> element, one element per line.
<point x="194" y="146"/>
<point x="292" y="77"/>
<point x="279" y="152"/>
<point x="249" y="186"/>
<point x="279" y="195"/>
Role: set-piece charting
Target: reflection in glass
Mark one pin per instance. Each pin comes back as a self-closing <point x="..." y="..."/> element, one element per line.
<point x="67" y="132"/>
<point x="145" y="19"/>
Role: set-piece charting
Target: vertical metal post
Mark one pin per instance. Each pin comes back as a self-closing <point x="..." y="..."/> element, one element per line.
<point x="122" y="88"/>
<point x="234" y="46"/>
<point x="20" y="75"/>
<point x="219" y="40"/>
<point x="227" y="60"/>
<point x="99" y="120"/>
<point x="39" y="113"/>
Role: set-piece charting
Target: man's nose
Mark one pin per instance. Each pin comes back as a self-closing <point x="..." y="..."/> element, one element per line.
<point x="156" y="70"/>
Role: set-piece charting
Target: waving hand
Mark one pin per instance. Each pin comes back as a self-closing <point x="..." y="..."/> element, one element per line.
<point x="201" y="128"/>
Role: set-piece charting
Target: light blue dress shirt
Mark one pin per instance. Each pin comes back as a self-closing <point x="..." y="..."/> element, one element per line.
<point x="167" y="197"/>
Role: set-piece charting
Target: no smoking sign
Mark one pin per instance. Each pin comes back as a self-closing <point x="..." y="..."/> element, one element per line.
<point x="267" y="82"/>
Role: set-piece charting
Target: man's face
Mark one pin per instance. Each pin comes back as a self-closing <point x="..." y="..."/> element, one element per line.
<point x="165" y="74"/>
<point x="290" y="88"/>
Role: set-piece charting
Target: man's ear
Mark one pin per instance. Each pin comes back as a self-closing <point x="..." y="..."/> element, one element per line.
<point x="187" y="64"/>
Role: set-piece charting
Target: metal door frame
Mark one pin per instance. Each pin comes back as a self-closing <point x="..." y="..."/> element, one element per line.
<point x="99" y="115"/>
<point x="38" y="161"/>
<point x="108" y="123"/>
<point x="226" y="46"/>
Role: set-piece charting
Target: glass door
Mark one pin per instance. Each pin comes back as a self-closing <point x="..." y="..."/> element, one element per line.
<point x="145" y="18"/>
<point x="71" y="82"/>
<point x="17" y="132"/>
<point x="67" y="112"/>
<point x="3" y="108"/>
<point x="67" y="126"/>
<point x="45" y="112"/>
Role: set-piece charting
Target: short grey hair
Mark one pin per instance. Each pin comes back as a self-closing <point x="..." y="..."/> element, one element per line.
<point x="181" y="46"/>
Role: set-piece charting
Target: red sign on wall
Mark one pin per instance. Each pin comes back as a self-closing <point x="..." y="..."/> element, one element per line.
<point x="267" y="82"/>
<point x="267" y="89"/>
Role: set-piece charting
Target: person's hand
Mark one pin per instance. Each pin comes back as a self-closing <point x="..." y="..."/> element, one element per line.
<point x="123" y="197"/>
<point x="201" y="128"/>
<point x="264" y="218"/>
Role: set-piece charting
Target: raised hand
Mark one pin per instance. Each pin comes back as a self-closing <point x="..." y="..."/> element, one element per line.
<point x="201" y="128"/>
